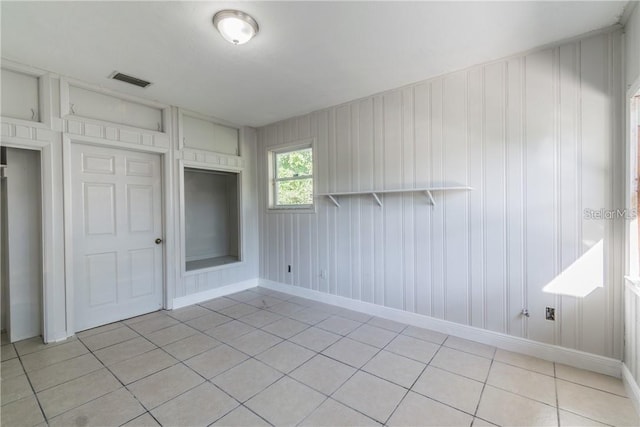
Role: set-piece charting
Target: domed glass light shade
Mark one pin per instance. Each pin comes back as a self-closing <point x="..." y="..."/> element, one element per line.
<point x="235" y="26"/>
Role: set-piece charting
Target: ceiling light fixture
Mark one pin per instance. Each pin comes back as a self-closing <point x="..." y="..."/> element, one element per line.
<point x="235" y="26"/>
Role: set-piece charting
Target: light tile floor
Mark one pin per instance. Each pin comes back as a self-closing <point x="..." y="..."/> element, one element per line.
<point x="260" y="357"/>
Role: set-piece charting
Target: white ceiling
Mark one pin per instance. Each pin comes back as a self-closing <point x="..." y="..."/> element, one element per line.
<point x="307" y="56"/>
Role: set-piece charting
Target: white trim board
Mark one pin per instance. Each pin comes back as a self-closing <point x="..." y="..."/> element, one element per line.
<point x="35" y="136"/>
<point x="213" y="293"/>
<point x="168" y="285"/>
<point x="553" y="353"/>
<point x="630" y="384"/>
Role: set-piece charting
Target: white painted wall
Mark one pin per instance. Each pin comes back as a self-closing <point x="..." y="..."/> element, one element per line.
<point x="538" y="136"/>
<point x="207" y="135"/>
<point x="534" y="134"/>
<point x="102" y="106"/>
<point x="20" y="98"/>
<point x="137" y="130"/>
<point x="632" y="46"/>
<point x="24" y="239"/>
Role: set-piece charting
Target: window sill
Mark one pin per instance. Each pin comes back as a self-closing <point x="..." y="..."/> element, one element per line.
<point x="293" y="210"/>
<point x="633" y="280"/>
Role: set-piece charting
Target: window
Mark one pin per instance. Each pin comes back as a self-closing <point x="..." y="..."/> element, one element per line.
<point x="292" y="178"/>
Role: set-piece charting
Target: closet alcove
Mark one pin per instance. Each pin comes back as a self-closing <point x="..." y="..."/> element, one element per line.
<point x="212" y="218"/>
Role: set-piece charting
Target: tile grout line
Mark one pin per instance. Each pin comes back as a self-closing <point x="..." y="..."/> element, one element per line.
<point x="463" y="376"/>
<point x="147" y="410"/>
<point x="268" y="307"/>
<point x="593" y="388"/>
<point x="384" y="379"/>
<point x="35" y="395"/>
<point x="354" y="374"/>
<point x="69" y="380"/>
<point x="66" y="382"/>
<point x="115" y="376"/>
<point x="414" y="383"/>
<point x="588" y="418"/>
<point x="326" y="397"/>
<point x="443" y="344"/>
<point x="555" y="385"/>
<point x="112" y="373"/>
<point x="484" y="386"/>
<point x="209" y="380"/>
<point x="252" y="357"/>
<point x="519" y="394"/>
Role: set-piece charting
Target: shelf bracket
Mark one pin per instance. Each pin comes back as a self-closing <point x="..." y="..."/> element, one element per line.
<point x="430" y="196"/>
<point x="333" y="199"/>
<point x="375" y="196"/>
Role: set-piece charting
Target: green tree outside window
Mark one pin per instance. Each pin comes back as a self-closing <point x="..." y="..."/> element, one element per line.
<point x="294" y="178"/>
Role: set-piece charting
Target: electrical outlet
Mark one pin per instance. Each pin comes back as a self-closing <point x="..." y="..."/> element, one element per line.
<point x="288" y="269"/>
<point x="550" y="313"/>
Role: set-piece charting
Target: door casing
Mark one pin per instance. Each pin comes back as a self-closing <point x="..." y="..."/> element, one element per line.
<point x="167" y="217"/>
<point x="122" y="241"/>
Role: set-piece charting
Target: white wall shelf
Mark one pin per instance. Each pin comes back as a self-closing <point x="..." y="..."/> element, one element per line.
<point x="428" y="191"/>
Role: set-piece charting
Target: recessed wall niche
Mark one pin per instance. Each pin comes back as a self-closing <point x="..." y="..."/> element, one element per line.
<point x="212" y="218"/>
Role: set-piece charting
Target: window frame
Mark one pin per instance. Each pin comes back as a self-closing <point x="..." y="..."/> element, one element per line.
<point x="632" y="193"/>
<point x="272" y="180"/>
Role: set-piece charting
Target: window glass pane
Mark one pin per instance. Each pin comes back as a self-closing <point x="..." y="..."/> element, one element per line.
<point x="294" y="163"/>
<point x="295" y="192"/>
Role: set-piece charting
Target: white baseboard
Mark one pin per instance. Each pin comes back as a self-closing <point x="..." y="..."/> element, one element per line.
<point x="630" y="384"/>
<point x="213" y="293"/>
<point x="58" y="339"/>
<point x="553" y="353"/>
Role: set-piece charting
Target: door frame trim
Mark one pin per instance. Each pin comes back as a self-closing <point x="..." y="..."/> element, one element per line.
<point x="52" y="240"/>
<point x="167" y="214"/>
<point x="182" y="164"/>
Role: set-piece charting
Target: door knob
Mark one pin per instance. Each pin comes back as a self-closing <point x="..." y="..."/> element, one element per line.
<point x="158" y="241"/>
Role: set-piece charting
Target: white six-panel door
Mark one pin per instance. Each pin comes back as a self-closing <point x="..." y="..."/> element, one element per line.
<point x="117" y="219"/>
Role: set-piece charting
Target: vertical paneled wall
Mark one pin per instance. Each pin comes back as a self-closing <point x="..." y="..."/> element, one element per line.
<point x="538" y="137"/>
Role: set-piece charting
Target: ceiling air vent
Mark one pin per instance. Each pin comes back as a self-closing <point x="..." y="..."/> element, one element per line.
<point x="129" y="79"/>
